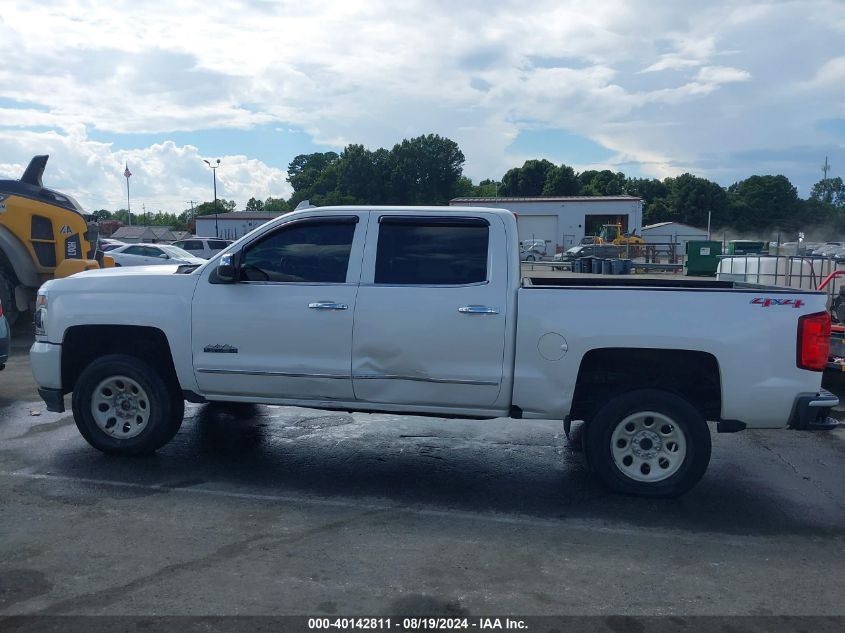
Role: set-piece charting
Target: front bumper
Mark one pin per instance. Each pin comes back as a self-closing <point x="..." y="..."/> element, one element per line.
<point x="811" y="411"/>
<point x="53" y="398"/>
<point x="5" y="341"/>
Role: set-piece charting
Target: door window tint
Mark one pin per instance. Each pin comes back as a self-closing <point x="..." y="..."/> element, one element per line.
<point x="304" y="252"/>
<point x="434" y="252"/>
<point x="192" y="245"/>
<point x="134" y="250"/>
<point x="152" y="251"/>
<point x="217" y="244"/>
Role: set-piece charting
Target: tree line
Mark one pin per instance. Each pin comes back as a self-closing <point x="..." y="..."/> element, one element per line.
<point x="428" y="170"/>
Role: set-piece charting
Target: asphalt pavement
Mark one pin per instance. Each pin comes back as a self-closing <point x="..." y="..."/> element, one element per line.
<point x="274" y="510"/>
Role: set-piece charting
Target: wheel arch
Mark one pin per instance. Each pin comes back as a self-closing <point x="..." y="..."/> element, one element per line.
<point x="607" y="372"/>
<point x="82" y="344"/>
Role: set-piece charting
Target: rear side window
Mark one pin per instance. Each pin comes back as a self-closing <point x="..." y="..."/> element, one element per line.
<point x="431" y="251"/>
<point x="218" y="244"/>
<point x="193" y="245"/>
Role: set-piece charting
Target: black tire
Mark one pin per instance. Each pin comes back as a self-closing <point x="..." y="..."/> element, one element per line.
<point x="7" y="296"/>
<point x="166" y="406"/>
<point x="692" y="427"/>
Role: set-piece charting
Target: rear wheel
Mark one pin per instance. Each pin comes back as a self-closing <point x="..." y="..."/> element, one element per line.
<point x="122" y="405"/>
<point x="648" y="442"/>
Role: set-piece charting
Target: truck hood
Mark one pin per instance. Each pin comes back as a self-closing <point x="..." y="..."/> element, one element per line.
<point x="158" y="270"/>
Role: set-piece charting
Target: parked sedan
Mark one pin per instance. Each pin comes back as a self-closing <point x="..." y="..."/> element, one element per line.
<point x="107" y="244"/>
<point x="152" y="254"/>
<point x="205" y="247"/>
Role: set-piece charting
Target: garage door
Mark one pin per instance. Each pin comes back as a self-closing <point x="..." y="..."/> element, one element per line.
<point x="539" y="227"/>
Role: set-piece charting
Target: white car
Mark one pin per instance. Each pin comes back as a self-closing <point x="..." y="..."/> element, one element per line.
<point x="107" y="244"/>
<point x="151" y="254"/>
<point x="205" y="247"/>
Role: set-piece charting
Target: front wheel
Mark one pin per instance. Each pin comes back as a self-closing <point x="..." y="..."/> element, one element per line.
<point x="648" y="442"/>
<point x="122" y="405"/>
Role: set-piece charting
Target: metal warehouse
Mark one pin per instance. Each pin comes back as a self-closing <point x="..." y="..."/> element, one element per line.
<point x="561" y="222"/>
<point x="672" y="233"/>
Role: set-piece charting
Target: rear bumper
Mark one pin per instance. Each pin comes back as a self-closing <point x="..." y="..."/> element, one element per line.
<point x="811" y="411"/>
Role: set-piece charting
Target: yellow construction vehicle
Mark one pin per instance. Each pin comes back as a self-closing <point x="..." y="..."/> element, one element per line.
<point x="43" y="234"/>
<point x="613" y="234"/>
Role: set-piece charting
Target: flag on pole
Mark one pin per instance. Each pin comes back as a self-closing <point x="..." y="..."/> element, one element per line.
<point x="126" y="172"/>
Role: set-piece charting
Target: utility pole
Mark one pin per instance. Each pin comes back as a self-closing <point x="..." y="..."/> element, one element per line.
<point x="144" y="209"/>
<point x="827" y="194"/>
<point x="127" y="174"/>
<point x="216" y="212"/>
<point x="191" y="219"/>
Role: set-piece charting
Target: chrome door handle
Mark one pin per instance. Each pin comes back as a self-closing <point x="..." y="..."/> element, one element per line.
<point x="478" y="310"/>
<point x="327" y="305"/>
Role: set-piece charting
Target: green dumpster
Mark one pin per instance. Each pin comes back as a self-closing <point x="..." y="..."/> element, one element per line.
<point x="701" y="257"/>
<point x="747" y="247"/>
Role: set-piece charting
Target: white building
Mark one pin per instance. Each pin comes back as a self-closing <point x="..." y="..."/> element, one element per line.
<point x="561" y="222"/>
<point x="669" y="233"/>
<point x="230" y="226"/>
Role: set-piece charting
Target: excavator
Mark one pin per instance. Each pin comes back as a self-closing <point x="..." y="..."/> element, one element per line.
<point x="613" y="234"/>
<point x="44" y="234"/>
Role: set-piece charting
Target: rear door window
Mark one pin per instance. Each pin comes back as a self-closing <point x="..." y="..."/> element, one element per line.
<point x="431" y="251"/>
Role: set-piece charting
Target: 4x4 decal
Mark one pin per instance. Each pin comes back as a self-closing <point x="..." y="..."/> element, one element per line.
<point x="769" y="301"/>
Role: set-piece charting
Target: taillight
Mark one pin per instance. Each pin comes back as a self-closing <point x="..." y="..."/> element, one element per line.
<point x="813" y="341"/>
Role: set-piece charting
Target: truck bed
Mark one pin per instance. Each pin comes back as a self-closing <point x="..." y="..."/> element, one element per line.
<point x="582" y="280"/>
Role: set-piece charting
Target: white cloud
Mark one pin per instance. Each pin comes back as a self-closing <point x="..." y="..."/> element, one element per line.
<point x="165" y="177"/>
<point x="665" y="85"/>
<point x="721" y="75"/>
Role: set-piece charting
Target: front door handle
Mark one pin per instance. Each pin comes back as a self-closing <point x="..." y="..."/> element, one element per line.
<point x="327" y="305"/>
<point x="478" y="310"/>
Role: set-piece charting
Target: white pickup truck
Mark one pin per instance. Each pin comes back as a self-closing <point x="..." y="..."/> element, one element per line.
<point x="422" y="310"/>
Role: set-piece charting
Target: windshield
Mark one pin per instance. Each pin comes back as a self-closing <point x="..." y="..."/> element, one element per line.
<point x="175" y="251"/>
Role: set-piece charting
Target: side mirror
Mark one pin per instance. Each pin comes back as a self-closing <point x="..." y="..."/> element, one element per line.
<point x="227" y="268"/>
<point x="163" y="256"/>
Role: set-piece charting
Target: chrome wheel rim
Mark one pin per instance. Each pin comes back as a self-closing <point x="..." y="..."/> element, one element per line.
<point x="120" y="407"/>
<point x="648" y="446"/>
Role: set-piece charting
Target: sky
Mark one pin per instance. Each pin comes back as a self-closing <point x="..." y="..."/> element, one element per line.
<point x="652" y="88"/>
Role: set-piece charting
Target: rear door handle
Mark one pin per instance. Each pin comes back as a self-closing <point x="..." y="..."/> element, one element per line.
<point x="478" y="310"/>
<point x="327" y="305"/>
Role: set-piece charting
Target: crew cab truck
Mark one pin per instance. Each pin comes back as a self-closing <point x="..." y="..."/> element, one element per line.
<point x="421" y="310"/>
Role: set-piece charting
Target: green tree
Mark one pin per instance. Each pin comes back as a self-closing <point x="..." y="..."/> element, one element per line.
<point x="830" y="191"/>
<point x="561" y="181"/>
<point x="254" y="205"/>
<point x="424" y="170"/>
<point x="102" y="214"/>
<point x="276" y="205"/>
<point x="207" y="208"/>
<point x="649" y="189"/>
<point x="527" y="180"/>
<point x="307" y="175"/>
<point x="765" y="202"/>
<point x="603" y="183"/>
<point x="691" y="198"/>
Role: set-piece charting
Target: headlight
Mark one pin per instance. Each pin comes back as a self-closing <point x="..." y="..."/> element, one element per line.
<point x="41" y="313"/>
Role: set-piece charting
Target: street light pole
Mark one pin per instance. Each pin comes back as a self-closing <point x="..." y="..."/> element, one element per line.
<point x="216" y="212"/>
